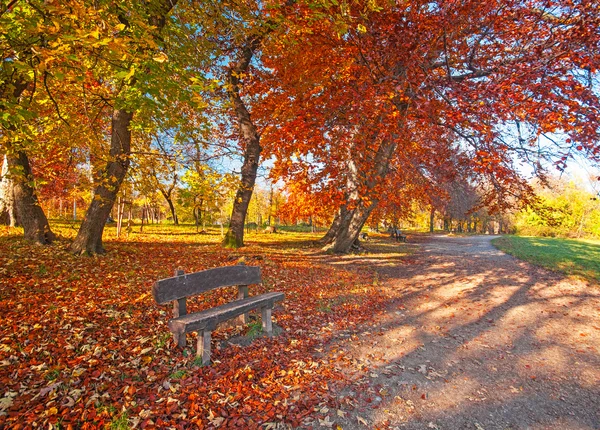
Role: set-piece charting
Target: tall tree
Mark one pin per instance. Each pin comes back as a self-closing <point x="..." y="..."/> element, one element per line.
<point x="21" y="41"/>
<point x="109" y="178"/>
<point x="250" y="142"/>
<point x="472" y="69"/>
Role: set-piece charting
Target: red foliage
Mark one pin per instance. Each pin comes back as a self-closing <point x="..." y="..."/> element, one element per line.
<point x="84" y="344"/>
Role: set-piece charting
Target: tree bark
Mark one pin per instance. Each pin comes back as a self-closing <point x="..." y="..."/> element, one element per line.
<point x="89" y="237"/>
<point x="357" y="211"/>
<point x="350" y="227"/>
<point x="30" y="213"/>
<point x="172" y="209"/>
<point x="250" y="140"/>
<point x="8" y="214"/>
<point x="329" y="237"/>
<point x="431" y="219"/>
<point x="352" y="220"/>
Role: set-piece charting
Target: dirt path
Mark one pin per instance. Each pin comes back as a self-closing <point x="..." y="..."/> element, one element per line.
<point x="475" y="339"/>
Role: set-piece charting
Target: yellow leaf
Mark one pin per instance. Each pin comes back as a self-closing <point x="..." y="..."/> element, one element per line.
<point x="52" y="411"/>
<point x="161" y="57"/>
<point x="78" y="372"/>
<point x="95" y="34"/>
<point x="361" y="28"/>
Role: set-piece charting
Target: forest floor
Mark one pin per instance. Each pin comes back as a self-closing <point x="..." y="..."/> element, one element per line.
<point x="440" y="333"/>
<point x="474" y="339"/>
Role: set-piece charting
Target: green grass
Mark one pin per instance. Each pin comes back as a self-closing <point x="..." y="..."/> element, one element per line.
<point x="573" y="257"/>
<point x="254" y="329"/>
<point x="179" y="374"/>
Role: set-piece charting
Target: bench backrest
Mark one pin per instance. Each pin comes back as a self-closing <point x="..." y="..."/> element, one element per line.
<point x="190" y="284"/>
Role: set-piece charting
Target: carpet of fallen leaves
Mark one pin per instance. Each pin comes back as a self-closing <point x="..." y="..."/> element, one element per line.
<point x="84" y="345"/>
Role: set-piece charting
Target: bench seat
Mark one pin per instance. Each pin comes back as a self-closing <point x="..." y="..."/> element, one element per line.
<point x="210" y="318"/>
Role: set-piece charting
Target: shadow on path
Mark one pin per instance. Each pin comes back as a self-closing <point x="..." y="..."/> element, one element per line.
<point x="474" y="339"/>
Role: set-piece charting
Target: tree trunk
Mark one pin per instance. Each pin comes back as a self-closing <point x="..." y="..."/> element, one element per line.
<point x="350" y="227"/>
<point x="250" y="140"/>
<point x="431" y="220"/>
<point x="30" y="213"/>
<point x="172" y="208"/>
<point x="352" y="220"/>
<point x="168" y="194"/>
<point x="8" y="214"/>
<point x="89" y="237"/>
<point x="335" y="225"/>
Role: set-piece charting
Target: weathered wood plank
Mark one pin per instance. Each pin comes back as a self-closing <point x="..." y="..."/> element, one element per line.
<point x="179" y="310"/>
<point x="203" y="346"/>
<point x="178" y="287"/>
<point x="242" y="294"/>
<point x="267" y="324"/>
<point x="210" y="318"/>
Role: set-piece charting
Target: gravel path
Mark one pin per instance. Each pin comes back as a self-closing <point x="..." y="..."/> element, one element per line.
<point x="474" y="339"/>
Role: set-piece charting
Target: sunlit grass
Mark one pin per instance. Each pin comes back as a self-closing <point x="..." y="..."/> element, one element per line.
<point x="286" y="240"/>
<point x="293" y="238"/>
<point x="569" y="256"/>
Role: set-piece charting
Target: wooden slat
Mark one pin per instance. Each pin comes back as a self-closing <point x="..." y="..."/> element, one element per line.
<point x="178" y="287"/>
<point x="179" y="310"/>
<point x="203" y="346"/>
<point x="267" y="324"/>
<point x="242" y="294"/>
<point x="210" y="318"/>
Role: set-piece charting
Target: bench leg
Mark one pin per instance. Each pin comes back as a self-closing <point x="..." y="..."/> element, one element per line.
<point x="267" y="324"/>
<point x="203" y="346"/>
<point x="242" y="294"/>
<point x="179" y="339"/>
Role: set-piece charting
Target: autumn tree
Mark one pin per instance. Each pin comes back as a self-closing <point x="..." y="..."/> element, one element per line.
<point x="239" y="31"/>
<point x="375" y="77"/>
<point x="28" y="42"/>
<point x="133" y="77"/>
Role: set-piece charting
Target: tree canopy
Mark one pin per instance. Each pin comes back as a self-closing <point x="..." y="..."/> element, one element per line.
<point x="365" y="108"/>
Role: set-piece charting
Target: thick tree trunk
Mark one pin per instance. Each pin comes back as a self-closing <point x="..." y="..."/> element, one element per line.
<point x="335" y="225"/>
<point x="350" y="227"/>
<point x="250" y="141"/>
<point x="89" y="237"/>
<point x="30" y="213"/>
<point x="234" y="238"/>
<point x="8" y="214"/>
<point x="352" y="220"/>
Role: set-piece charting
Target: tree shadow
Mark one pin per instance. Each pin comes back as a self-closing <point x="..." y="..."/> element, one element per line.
<point x="477" y="340"/>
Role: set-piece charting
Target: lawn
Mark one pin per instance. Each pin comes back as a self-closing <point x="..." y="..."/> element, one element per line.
<point x="84" y="345"/>
<point x="570" y="256"/>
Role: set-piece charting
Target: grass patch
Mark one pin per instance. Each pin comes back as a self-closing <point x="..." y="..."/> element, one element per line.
<point x="569" y="256"/>
<point x="180" y="374"/>
<point x="254" y="329"/>
<point x="120" y="422"/>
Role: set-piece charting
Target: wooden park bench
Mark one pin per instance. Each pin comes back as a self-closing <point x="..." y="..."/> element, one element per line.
<point x="182" y="286"/>
<point x="396" y="233"/>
